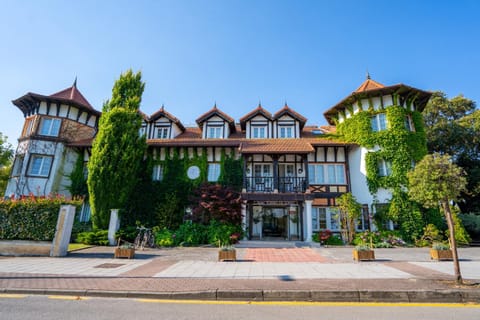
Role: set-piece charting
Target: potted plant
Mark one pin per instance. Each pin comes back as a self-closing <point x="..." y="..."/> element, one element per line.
<point x="227" y="253"/>
<point x="440" y="251"/>
<point x="124" y="249"/>
<point x="364" y="252"/>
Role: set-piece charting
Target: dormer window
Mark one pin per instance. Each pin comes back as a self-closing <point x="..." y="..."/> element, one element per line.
<point x="286" y="131"/>
<point x="50" y="127"/>
<point x="259" y="132"/>
<point x="163" y="132"/>
<point x="214" y="132"/>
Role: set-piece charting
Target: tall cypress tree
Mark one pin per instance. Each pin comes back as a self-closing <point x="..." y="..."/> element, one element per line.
<point x="118" y="149"/>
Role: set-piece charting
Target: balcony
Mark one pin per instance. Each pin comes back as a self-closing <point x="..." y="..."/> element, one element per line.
<point x="282" y="184"/>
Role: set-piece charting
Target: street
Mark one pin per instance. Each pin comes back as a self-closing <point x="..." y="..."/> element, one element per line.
<point x="27" y="307"/>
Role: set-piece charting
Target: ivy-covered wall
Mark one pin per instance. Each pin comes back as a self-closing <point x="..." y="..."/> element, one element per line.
<point x="164" y="202"/>
<point x="397" y="145"/>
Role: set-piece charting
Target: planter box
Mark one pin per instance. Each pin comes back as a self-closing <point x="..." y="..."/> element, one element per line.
<point x="363" y="255"/>
<point x="124" y="253"/>
<point x="227" y="255"/>
<point x="441" y="254"/>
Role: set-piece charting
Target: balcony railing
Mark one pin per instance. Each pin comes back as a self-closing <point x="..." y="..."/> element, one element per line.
<point x="282" y="184"/>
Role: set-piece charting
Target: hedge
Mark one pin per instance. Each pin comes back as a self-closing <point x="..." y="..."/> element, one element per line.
<point x="31" y="218"/>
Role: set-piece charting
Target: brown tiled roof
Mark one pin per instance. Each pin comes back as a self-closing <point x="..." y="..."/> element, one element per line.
<point x="257" y="111"/>
<point x="369" y="84"/>
<point x="192" y="142"/>
<point x="278" y="146"/>
<point x="167" y="115"/>
<point x="216" y="112"/>
<point x="371" y="88"/>
<point x="287" y="110"/>
<point x="72" y="94"/>
<point x="28" y="102"/>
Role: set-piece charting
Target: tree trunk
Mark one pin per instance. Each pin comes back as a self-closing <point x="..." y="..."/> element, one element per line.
<point x="453" y="242"/>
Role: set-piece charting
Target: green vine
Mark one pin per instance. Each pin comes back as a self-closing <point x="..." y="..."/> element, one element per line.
<point x="398" y="145"/>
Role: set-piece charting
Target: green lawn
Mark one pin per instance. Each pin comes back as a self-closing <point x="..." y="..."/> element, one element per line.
<point x="78" y="246"/>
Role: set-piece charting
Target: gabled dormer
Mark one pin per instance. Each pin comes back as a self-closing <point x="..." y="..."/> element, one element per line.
<point x="257" y="124"/>
<point x="163" y="125"/>
<point x="215" y="124"/>
<point x="287" y="123"/>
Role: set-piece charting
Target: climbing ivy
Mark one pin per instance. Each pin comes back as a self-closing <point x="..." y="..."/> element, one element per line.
<point x="400" y="147"/>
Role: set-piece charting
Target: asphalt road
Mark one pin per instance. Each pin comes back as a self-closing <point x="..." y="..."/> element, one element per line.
<point x="25" y="307"/>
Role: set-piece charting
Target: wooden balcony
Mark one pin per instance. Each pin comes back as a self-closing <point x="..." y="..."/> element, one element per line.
<point x="281" y="184"/>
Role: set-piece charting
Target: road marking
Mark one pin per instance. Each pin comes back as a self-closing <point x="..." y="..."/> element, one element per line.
<point x="12" y="296"/>
<point x="68" y="298"/>
<point x="324" y="304"/>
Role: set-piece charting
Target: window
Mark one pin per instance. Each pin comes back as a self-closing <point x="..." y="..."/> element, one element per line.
<point x="326" y="174"/>
<point x="379" y="122"/>
<point x="213" y="172"/>
<point x="50" y="127"/>
<point x="17" y="166"/>
<point x="162" y="133"/>
<point x="157" y="174"/>
<point x="40" y="165"/>
<point x="325" y="218"/>
<point x="409" y="123"/>
<point x="142" y="131"/>
<point x="214" y="132"/>
<point x="259" y="132"/>
<point x="384" y="168"/>
<point x="286" y="132"/>
<point x="85" y="212"/>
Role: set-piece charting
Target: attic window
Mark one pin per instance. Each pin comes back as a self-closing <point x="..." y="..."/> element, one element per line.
<point x="317" y="132"/>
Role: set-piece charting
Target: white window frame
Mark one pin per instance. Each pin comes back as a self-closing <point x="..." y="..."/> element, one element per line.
<point x="286" y="132"/>
<point x="379" y="122"/>
<point x="214" y="132"/>
<point x="213" y="173"/>
<point x="259" y="132"/>
<point x="326" y="173"/>
<point x="163" y="132"/>
<point x="384" y="168"/>
<point x="50" y="127"/>
<point x="331" y="218"/>
<point x="44" y="164"/>
<point x="157" y="172"/>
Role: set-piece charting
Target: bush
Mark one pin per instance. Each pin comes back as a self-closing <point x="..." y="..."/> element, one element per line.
<point x="334" y="240"/>
<point x="164" y="238"/>
<point x="31" y="218"/>
<point x="430" y="234"/>
<point x="471" y="222"/>
<point x="190" y="234"/>
<point x="99" y="237"/>
<point x="128" y="233"/>
<point x="222" y="234"/>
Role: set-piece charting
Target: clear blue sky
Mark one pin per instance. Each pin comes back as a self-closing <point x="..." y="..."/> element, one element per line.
<point x="235" y="53"/>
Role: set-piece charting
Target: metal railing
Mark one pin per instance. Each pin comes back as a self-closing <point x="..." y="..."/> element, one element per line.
<point x="282" y="184"/>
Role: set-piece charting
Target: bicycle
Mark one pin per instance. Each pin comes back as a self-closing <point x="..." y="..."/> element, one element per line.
<point x="144" y="238"/>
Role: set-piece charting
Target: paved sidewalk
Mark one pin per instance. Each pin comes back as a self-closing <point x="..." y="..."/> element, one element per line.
<point x="278" y="271"/>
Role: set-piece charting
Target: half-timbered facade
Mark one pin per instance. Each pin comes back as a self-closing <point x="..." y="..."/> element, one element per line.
<point x="292" y="172"/>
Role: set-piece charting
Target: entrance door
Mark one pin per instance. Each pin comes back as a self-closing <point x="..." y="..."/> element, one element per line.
<point x="275" y="223"/>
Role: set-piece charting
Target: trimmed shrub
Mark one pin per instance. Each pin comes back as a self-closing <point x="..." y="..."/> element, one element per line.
<point x="31" y="218"/>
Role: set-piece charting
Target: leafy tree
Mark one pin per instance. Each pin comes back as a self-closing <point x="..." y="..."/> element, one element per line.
<point x="453" y="127"/>
<point x="6" y="155"/>
<point x="349" y="210"/>
<point x="215" y="202"/>
<point x="436" y="182"/>
<point x="117" y="151"/>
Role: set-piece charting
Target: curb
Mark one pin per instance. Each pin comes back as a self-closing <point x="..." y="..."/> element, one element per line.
<point x="421" y="296"/>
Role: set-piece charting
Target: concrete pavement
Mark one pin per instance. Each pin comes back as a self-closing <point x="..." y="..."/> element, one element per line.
<point x="263" y="271"/>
